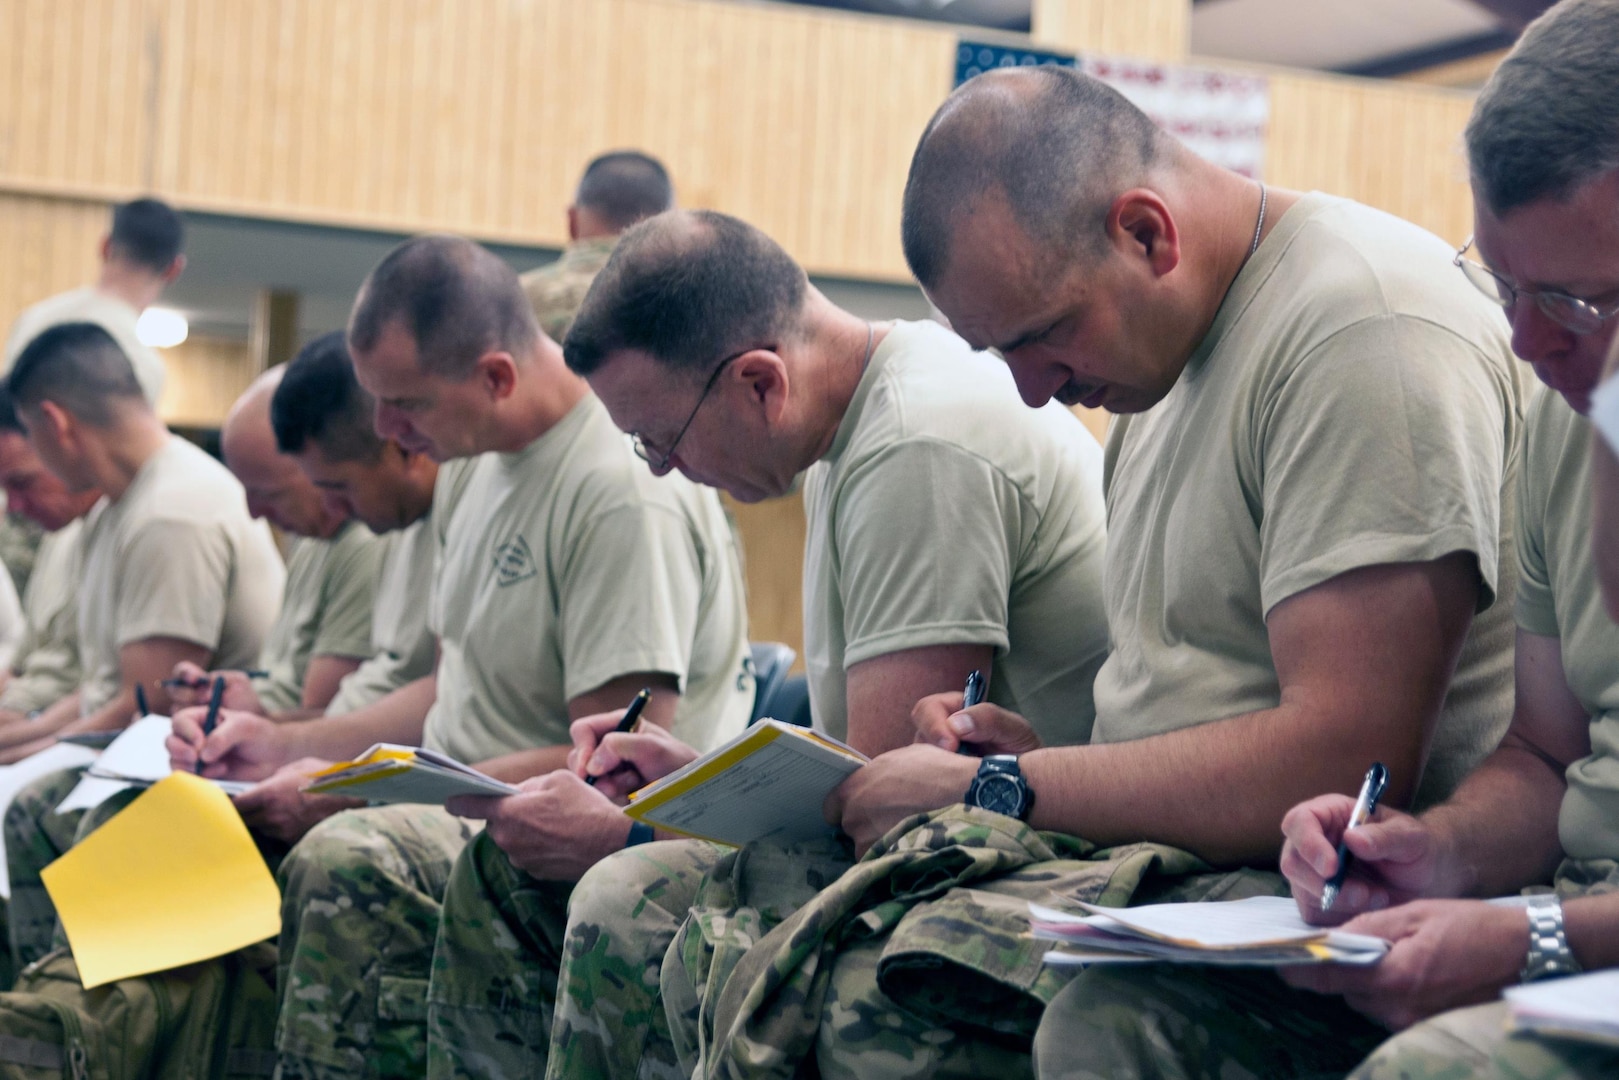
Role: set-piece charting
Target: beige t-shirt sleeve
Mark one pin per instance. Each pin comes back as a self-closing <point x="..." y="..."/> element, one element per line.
<point x="922" y="533"/>
<point x="1379" y="447"/>
<point x="351" y="582"/>
<point x="1535" y="606"/>
<point x="173" y="583"/>
<point x="628" y="592"/>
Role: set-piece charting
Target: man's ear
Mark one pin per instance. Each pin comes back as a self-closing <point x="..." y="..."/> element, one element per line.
<point x="106" y="247"/>
<point x="1140" y="226"/>
<point x="176" y="268"/>
<point x="573" y="223"/>
<point x="496" y="372"/>
<point x="60" y="425"/>
<point x="762" y="374"/>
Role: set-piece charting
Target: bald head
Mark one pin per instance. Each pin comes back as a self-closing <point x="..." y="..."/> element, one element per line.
<point x="1056" y="145"/>
<point x="688" y="288"/>
<point x="276" y="488"/>
<point x="456" y="299"/>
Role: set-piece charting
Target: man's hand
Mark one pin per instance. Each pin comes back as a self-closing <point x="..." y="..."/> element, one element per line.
<point x="1445" y="954"/>
<point x="279" y="808"/>
<point x="554" y="829"/>
<point x="196" y="685"/>
<point x="624" y="762"/>
<point x="983" y="729"/>
<point x="895" y="785"/>
<point x="1397" y="859"/>
<point x="242" y="747"/>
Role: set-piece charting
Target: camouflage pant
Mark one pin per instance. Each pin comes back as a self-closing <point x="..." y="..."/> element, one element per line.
<point x="1473" y="1044"/>
<point x="1188" y="1023"/>
<point x="359" y="911"/>
<point x="36" y="836"/>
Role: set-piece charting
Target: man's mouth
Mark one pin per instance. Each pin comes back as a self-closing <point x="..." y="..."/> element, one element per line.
<point x="1085" y="395"/>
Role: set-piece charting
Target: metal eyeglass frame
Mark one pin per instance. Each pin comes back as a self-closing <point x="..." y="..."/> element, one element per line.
<point x="1570" y="312"/>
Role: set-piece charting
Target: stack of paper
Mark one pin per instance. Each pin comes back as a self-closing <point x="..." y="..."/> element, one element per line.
<point x="389" y="773"/>
<point x="1583" y="1007"/>
<point x="139" y="757"/>
<point x="1264" y="931"/>
<point x="172" y="879"/>
<point x="766" y="784"/>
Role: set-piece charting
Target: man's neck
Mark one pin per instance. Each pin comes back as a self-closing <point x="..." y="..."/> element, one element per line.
<point x="546" y="391"/>
<point x="841" y="345"/>
<point x="124" y="449"/>
<point x="138" y="288"/>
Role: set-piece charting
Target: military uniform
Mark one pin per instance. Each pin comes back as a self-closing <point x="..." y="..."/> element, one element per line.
<point x="557" y="289"/>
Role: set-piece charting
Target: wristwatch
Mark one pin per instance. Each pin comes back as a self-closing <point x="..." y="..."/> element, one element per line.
<point x="1549" y="956"/>
<point x="1000" y="788"/>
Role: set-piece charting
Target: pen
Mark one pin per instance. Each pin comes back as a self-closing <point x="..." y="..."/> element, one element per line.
<point x="192" y="684"/>
<point x="631" y="715"/>
<point x="214" y="697"/>
<point x="1371" y="790"/>
<point x="970" y="696"/>
<point x="140" y="700"/>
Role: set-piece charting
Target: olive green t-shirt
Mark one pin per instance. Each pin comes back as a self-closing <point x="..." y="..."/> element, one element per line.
<point x="949" y="513"/>
<point x="46" y="668"/>
<point x="566" y="565"/>
<point x="1355" y="402"/>
<point x="176" y="556"/>
<point x="401" y="642"/>
<point x="325" y="611"/>
<point x="1558" y="597"/>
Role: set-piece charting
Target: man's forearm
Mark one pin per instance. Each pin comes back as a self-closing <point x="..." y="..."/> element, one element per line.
<point x="114" y="715"/>
<point x="1219" y="789"/>
<point x="1498" y="832"/>
<point x="397" y="718"/>
<point x="1592" y="926"/>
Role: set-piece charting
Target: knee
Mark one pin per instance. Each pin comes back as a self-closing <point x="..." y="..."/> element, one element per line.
<point x="337" y="857"/>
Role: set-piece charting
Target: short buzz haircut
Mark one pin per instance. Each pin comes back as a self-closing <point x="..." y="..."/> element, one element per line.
<point x="10" y="422"/>
<point x="320" y="402"/>
<point x="79" y="367"/>
<point x="148" y="232"/>
<point x="1060" y="147"/>
<point x="456" y="299"/>
<point x="625" y="186"/>
<point x="689" y="288"/>
<point x="1548" y="119"/>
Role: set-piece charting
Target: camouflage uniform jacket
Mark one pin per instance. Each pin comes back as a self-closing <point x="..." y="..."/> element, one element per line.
<point x="557" y="289"/>
<point x="957" y="956"/>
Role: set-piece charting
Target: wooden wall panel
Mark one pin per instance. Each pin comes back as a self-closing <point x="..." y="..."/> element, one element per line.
<point x="1156" y="29"/>
<point x="50" y="245"/>
<point x="772" y="535"/>
<point x="206" y="376"/>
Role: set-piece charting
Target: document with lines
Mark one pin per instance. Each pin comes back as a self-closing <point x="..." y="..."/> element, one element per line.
<point x="766" y="784"/>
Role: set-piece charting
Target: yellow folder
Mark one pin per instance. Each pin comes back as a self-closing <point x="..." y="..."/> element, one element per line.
<point x="172" y="879"/>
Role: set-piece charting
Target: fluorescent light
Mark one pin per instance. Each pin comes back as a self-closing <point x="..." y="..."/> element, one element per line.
<point x="160" y="328"/>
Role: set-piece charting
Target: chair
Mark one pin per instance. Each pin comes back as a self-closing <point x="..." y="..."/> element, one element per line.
<point x="770" y="663"/>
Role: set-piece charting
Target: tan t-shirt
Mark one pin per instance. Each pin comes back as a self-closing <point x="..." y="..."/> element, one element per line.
<point x="1558" y="597"/>
<point x="1354" y="403"/>
<point x="47" y="664"/>
<point x="325" y="611"/>
<point x="949" y="513"/>
<point x="90" y="305"/>
<point x="177" y="556"/>
<point x="566" y="565"/>
<point x="401" y="641"/>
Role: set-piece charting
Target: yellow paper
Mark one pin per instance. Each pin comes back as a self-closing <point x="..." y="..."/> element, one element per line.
<point x="171" y="880"/>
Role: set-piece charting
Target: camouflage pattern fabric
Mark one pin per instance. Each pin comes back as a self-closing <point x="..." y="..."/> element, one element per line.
<point x="557" y="289"/>
<point x="359" y="911"/>
<point x="36" y="836"/>
<point x="610" y="1019"/>
<point x="1474" y="1044"/>
<point x="1184" y="1023"/>
<point x="19" y="546"/>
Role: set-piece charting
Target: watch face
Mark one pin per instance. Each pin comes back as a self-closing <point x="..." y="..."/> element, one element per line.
<point x="1000" y="794"/>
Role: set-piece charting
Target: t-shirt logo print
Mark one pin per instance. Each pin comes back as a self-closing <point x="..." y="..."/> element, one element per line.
<point x="514" y="562"/>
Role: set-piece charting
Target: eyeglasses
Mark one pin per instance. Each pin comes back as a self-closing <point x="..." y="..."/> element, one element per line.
<point x="1569" y="312"/>
<point x="646" y="453"/>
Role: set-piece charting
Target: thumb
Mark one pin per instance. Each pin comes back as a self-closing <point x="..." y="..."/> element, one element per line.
<point x="991" y="725"/>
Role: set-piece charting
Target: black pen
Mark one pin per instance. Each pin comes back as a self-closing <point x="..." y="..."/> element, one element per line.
<point x="970" y="696"/>
<point x="140" y="700"/>
<point x="208" y="721"/>
<point x="193" y="684"/>
<point x="631" y="715"/>
<point x="1371" y="790"/>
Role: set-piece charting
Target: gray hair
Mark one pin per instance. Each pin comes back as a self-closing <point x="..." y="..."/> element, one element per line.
<point x="1548" y="120"/>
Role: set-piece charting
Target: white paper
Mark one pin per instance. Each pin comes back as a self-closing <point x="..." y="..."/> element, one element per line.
<point x="1578" y="1006"/>
<point x="14" y="777"/>
<point x="1605" y="412"/>
<point x="425" y="777"/>
<point x="137" y="758"/>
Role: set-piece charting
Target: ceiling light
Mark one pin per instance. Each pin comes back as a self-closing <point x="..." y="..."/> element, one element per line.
<point x="161" y="328"/>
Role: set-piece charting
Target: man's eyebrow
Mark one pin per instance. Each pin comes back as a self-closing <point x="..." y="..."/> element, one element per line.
<point x="1022" y="339"/>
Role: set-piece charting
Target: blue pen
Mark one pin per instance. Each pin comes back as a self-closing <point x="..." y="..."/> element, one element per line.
<point x="214" y="697"/>
<point x="972" y="695"/>
<point x="1371" y="790"/>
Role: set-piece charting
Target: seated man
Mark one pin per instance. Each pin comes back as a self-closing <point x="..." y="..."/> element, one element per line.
<point x="174" y="568"/>
<point x="569" y="579"/>
<point x="950" y="530"/>
<point x="1305" y="513"/>
<point x="324" y="629"/>
<point x="1545" y="806"/>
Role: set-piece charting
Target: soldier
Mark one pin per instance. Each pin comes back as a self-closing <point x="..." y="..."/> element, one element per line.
<point x="617" y="190"/>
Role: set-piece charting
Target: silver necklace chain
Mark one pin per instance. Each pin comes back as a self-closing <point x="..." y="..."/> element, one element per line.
<point x="1259" y="226"/>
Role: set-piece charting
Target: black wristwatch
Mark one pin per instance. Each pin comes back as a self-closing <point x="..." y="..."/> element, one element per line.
<point x="1000" y="788"/>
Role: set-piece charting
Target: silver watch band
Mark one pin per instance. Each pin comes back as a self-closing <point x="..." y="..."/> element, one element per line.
<point x="1549" y="956"/>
